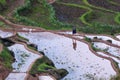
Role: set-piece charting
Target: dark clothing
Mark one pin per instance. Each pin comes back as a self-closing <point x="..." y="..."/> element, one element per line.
<point x="74" y="30"/>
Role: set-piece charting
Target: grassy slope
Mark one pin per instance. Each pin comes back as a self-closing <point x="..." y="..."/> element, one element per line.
<point x="6" y="58"/>
<point x="39" y="13"/>
<point x="3" y="2"/>
<point x="116" y="14"/>
<point x="41" y="65"/>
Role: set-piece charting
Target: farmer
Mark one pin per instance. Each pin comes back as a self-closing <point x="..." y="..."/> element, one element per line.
<point x="74" y="30"/>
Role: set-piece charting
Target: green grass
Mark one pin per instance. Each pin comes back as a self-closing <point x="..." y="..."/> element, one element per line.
<point x="87" y="39"/>
<point x="117" y="18"/>
<point x="1" y="23"/>
<point x="31" y="47"/>
<point x="42" y="15"/>
<point x="3" y="2"/>
<point x="22" y="37"/>
<point x="114" y="3"/>
<point x="99" y="28"/>
<point x="99" y="8"/>
<point x="93" y="17"/>
<point x="39" y="13"/>
<point x="6" y="58"/>
<point x="42" y="65"/>
<point x="97" y="16"/>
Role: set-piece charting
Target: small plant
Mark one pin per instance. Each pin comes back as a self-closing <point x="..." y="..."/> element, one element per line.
<point x="94" y="48"/>
<point x="87" y="39"/>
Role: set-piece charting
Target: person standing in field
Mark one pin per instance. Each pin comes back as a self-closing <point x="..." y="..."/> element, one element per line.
<point x="74" y="30"/>
<point x="73" y="40"/>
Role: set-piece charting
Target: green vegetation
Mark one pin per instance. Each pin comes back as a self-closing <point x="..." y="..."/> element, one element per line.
<point x="33" y="48"/>
<point x="99" y="8"/>
<point x="98" y="20"/>
<point x="22" y="37"/>
<point x="94" y="48"/>
<point x="114" y="3"/>
<point x="101" y="28"/>
<point x="42" y="65"/>
<point x="1" y="23"/>
<point x="115" y="77"/>
<point x="92" y="19"/>
<point x="6" y="58"/>
<point x="117" y="18"/>
<point x="3" y="2"/>
<point x="87" y="39"/>
<point x="38" y="13"/>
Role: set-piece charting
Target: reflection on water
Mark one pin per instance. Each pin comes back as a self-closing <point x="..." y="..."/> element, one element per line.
<point x="74" y="44"/>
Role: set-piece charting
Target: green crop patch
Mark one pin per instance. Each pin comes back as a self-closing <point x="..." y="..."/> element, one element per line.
<point x="63" y="14"/>
<point x="6" y="58"/>
<point x="38" y="13"/>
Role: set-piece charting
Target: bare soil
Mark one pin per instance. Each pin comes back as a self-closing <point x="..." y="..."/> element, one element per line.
<point x="68" y="14"/>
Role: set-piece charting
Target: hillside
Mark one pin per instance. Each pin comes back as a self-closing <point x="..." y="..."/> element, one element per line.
<point x="37" y="40"/>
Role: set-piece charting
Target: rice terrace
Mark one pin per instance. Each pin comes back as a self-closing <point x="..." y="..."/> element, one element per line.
<point x="59" y="39"/>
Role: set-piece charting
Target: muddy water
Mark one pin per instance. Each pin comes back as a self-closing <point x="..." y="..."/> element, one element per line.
<point x="77" y="59"/>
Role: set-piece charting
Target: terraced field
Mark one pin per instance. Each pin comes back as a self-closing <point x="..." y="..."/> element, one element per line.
<point x="117" y="1"/>
<point x="36" y="36"/>
<point x="72" y="1"/>
<point x="63" y="14"/>
<point x="104" y="4"/>
<point x="68" y="14"/>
